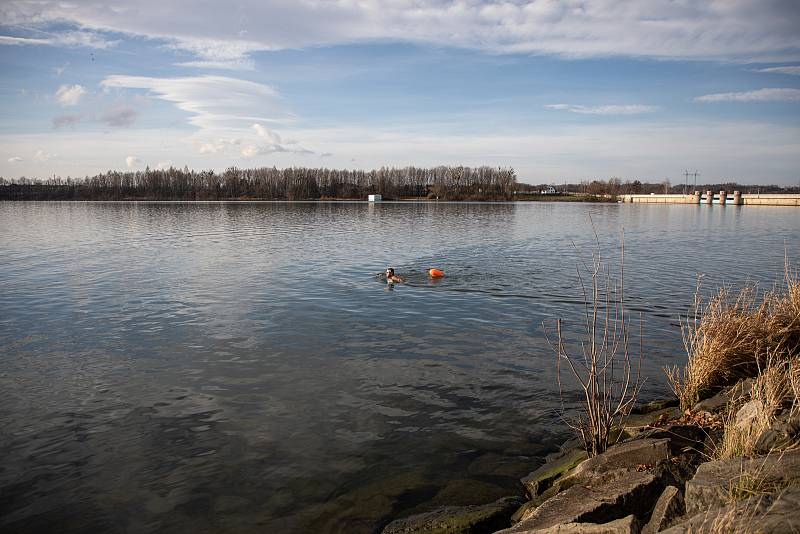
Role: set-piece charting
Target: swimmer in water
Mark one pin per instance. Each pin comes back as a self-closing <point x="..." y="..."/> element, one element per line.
<point x="392" y="278"/>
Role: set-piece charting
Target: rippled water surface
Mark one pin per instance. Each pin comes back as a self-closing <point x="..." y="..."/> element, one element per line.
<point x="238" y="367"/>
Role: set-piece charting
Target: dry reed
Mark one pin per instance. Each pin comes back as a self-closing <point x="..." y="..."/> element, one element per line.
<point x="732" y="335"/>
<point x="773" y="390"/>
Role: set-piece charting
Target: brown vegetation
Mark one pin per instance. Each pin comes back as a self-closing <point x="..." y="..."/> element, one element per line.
<point x="734" y="335"/>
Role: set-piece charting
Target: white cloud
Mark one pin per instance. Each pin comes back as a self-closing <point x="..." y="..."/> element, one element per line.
<point x="218" y="54"/>
<point x="271" y="142"/>
<point x="211" y="148"/>
<point x="237" y="64"/>
<point x="224" y="33"/>
<point x="628" y="109"/>
<point x="22" y="41"/>
<point x="132" y="162"/>
<point x="214" y="102"/>
<point x="70" y="39"/>
<point x="248" y="151"/>
<point x="793" y="71"/>
<point x="760" y="95"/>
<point x="41" y="155"/>
<point x="15" y="159"/>
<point x="166" y="164"/>
<point x="70" y="95"/>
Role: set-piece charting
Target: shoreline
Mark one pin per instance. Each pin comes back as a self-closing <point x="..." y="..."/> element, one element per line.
<point x="659" y="476"/>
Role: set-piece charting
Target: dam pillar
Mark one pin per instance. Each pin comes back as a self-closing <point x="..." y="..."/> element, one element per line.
<point x="696" y="197"/>
<point x="737" y="198"/>
<point x="709" y="197"/>
<point x="723" y="197"/>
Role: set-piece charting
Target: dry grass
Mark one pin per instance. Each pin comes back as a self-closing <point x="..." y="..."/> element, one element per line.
<point x="733" y="335"/>
<point x="774" y="389"/>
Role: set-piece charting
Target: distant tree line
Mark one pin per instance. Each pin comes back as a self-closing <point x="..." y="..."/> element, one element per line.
<point x="270" y="183"/>
<point x="616" y="186"/>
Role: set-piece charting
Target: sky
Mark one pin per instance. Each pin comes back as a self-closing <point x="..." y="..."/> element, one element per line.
<point x="562" y="91"/>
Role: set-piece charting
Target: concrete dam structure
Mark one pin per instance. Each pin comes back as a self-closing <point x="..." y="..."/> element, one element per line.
<point x="722" y="198"/>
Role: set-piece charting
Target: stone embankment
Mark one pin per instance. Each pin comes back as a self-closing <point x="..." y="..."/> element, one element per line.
<point x="659" y="477"/>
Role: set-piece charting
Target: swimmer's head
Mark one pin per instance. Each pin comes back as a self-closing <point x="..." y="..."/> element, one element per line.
<point x="389" y="271"/>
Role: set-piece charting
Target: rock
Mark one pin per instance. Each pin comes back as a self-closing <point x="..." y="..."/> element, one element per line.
<point x="668" y="508"/>
<point x="712" y="484"/>
<point x="654" y="406"/>
<point x="541" y="479"/>
<point x="741" y="389"/>
<point x="458" y="519"/>
<point x="747" y="414"/>
<point x="626" y="525"/>
<point x="774" y="513"/>
<point x="629" y="454"/>
<point x="611" y="496"/>
<point x="524" y="511"/>
<point x="712" y="404"/>
<point x="681" y="437"/>
<point x="635" y="424"/>
<point x="781" y="435"/>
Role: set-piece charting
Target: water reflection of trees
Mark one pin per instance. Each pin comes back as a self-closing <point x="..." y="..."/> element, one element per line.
<point x="270" y="183"/>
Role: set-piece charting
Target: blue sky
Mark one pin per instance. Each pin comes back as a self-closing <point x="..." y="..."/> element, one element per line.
<point x="559" y="90"/>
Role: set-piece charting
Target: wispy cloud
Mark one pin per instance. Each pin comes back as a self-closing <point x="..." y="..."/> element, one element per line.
<point x="216" y="32"/>
<point x="759" y="95"/>
<point x="69" y="39"/>
<point x="68" y="120"/>
<point x="14" y="159"/>
<point x="22" y="41"/>
<point x="627" y="109"/>
<point x="793" y="71"/>
<point x="119" y="117"/>
<point x="70" y="95"/>
<point x="214" y="102"/>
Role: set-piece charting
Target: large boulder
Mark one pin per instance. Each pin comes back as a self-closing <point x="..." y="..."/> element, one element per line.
<point x="668" y="508"/>
<point x="782" y="434"/>
<point x="541" y="479"/>
<point x="713" y="404"/>
<point x="626" y="525"/>
<point x="715" y="483"/>
<point x="627" y="455"/>
<point x="635" y="423"/>
<point x="748" y="414"/>
<point x="458" y="519"/>
<point x="681" y="437"/>
<point x="610" y="496"/>
<point x="775" y="513"/>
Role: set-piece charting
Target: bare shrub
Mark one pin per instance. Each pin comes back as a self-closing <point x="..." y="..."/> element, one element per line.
<point x="601" y="361"/>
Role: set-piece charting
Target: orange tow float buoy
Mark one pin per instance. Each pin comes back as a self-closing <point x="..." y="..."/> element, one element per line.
<point x="436" y="273"/>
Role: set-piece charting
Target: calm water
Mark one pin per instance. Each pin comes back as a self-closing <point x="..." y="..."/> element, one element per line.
<point x="239" y="368"/>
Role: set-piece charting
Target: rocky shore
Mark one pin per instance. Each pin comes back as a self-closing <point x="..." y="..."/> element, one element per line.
<point x="660" y="476"/>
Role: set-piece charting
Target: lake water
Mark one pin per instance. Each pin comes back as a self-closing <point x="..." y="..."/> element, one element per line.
<point x="238" y="367"/>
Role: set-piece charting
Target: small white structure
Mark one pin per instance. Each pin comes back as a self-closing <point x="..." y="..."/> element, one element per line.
<point x="549" y="191"/>
<point x="374" y="198"/>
